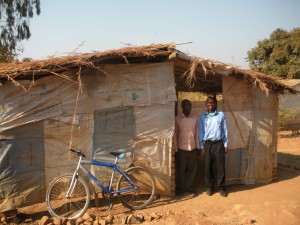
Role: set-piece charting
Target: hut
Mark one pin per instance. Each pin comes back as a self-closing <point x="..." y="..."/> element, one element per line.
<point x="103" y="101"/>
<point x="290" y="104"/>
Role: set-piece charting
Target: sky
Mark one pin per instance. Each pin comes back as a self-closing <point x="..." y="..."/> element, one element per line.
<point x="223" y="30"/>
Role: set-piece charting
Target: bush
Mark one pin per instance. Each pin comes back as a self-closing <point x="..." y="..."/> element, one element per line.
<point x="285" y="116"/>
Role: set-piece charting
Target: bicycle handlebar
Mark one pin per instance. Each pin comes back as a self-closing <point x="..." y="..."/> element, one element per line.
<point x="120" y="155"/>
<point x="78" y="152"/>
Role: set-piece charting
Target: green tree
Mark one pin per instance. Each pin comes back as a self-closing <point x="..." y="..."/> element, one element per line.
<point x="278" y="55"/>
<point x="14" y="25"/>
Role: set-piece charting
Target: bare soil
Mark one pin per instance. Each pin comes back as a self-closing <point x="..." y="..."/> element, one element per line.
<point x="265" y="204"/>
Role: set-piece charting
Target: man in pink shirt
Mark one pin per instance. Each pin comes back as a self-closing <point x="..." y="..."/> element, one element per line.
<point x="186" y="145"/>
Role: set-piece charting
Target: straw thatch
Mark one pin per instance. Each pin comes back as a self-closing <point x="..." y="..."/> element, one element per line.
<point x="191" y="73"/>
<point x="60" y="64"/>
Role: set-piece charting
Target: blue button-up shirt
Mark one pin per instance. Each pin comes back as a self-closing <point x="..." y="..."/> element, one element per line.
<point x="212" y="126"/>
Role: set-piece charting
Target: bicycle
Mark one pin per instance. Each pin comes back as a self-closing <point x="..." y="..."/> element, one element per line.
<point x="68" y="196"/>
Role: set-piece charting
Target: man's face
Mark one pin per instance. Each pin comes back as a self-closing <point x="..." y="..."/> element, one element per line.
<point x="187" y="108"/>
<point x="211" y="105"/>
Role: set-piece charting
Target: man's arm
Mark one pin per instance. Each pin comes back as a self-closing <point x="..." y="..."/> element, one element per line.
<point x="225" y="134"/>
<point x="197" y="134"/>
<point x="201" y="133"/>
<point x="175" y="135"/>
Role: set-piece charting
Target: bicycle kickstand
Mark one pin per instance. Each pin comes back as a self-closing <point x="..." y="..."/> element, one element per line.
<point x="110" y="204"/>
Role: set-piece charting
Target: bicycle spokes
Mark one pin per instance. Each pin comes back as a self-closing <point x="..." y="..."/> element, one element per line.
<point x="68" y="206"/>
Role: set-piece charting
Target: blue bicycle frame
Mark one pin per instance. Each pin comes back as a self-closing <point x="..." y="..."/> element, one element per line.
<point x="114" y="168"/>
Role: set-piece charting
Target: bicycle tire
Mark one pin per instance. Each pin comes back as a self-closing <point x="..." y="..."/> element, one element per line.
<point x="59" y="206"/>
<point x="142" y="197"/>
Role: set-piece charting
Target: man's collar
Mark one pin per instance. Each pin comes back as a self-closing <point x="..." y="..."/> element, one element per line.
<point x="182" y="115"/>
<point x="211" y="113"/>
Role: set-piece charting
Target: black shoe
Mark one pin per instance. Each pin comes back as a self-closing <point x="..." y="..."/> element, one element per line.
<point x="193" y="193"/>
<point x="196" y="193"/>
<point x="209" y="191"/>
<point x="223" y="193"/>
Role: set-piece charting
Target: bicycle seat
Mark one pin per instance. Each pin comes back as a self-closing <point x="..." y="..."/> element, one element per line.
<point x="120" y="155"/>
<point x="78" y="153"/>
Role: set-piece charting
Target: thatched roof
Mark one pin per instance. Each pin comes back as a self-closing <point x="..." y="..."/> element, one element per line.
<point x="294" y="83"/>
<point x="191" y="73"/>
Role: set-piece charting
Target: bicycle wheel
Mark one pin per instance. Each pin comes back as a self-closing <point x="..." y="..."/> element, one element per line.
<point x="70" y="208"/>
<point x="143" y="195"/>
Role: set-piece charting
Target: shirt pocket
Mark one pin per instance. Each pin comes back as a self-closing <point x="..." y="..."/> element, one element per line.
<point x="219" y="123"/>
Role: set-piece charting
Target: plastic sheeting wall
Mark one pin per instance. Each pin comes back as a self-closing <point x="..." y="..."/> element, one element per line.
<point x="113" y="131"/>
<point x="238" y="110"/>
<point x="38" y="125"/>
<point x="57" y="134"/>
<point x="153" y="142"/>
<point x="22" y="168"/>
<point x="143" y="132"/>
<point x="252" y="125"/>
<point x="262" y="159"/>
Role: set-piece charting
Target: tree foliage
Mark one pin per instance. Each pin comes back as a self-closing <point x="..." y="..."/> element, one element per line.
<point x="278" y="55"/>
<point x="14" y="24"/>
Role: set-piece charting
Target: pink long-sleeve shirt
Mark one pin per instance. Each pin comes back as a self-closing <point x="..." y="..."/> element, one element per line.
<point x="186" y="132"/>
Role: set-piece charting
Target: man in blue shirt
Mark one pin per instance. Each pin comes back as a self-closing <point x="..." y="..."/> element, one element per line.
<point x="214" y="145"/>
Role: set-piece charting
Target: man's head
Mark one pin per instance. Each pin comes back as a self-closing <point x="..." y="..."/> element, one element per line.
<point x="186" y="107"/>
<point x="211" y="104"/>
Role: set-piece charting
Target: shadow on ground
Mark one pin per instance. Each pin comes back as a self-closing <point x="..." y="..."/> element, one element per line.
<point x="288" y="160"/>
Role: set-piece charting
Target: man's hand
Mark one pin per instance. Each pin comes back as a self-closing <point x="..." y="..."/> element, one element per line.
<point x="176" y="155"/>
<point x="225" y="150"/>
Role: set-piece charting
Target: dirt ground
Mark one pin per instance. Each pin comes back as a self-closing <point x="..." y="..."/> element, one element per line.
<point x="274" y="203"/>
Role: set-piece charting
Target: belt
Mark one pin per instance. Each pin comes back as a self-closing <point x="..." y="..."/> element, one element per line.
<point x="215" y="141"/>
<point x="187" y="150"/>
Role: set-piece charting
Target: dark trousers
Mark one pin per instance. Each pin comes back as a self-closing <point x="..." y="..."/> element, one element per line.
<point x="214" y="158"/>
<point x="186" y="167"/>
